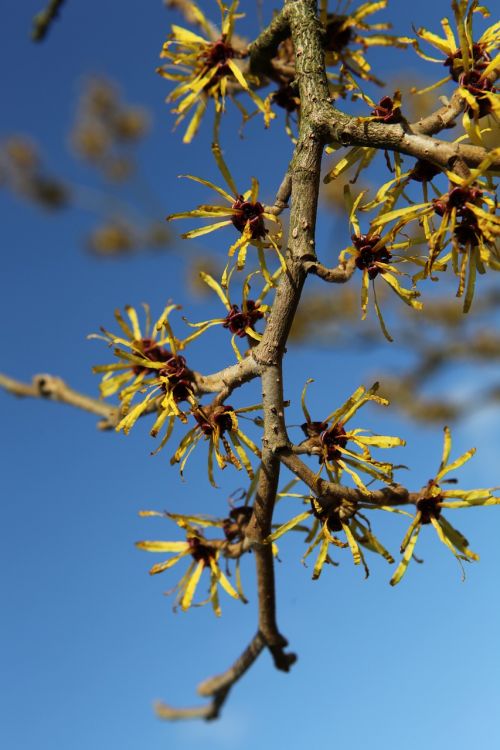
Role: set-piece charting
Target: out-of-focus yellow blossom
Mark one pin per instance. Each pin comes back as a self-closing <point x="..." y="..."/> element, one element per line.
<point x="348" y="36"/>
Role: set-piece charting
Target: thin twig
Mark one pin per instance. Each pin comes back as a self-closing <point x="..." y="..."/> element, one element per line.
<point x="43" y="20"/>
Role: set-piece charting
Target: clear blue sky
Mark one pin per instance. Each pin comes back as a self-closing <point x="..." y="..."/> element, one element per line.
<point x="88" y="641"/>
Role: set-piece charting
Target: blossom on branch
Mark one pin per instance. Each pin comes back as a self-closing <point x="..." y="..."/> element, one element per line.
<point x="328" y="438"/>
<point x="204" y="68"/>
<point x="433" y="498"/>
<point x="240" y="321"/>
<point x="148" y="363"/>
<point x="348" y="36"/>
<point x="204" y="554"/>
<point x="245" y="213"/>
<point x="218" y="424"/>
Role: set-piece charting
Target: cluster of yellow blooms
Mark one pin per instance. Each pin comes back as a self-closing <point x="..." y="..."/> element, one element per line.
<point x="457" y="225"/>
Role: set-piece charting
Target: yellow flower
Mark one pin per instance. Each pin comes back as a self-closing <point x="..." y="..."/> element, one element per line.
<point x="204" y="67"/>
<point x="430" y="504"/>
<point x="346" y="519"/>
<point x="219" y="426"/>
<point x="329" y="440"/>
<point x="240" y="321"/>
<point x="470" y="62"/>
<point x="467" y="220"/>
<point x="346" y="37"/>
<point x="245" y="213"/>
<point x="205" y="555"/>
<point x="373" y="256"/>
<point x="148" y="363"/>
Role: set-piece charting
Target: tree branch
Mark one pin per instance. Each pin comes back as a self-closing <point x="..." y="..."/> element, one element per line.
<point x="43" y="20"/>
<point x="217" y="687"/>
<point x="55" y="389"/>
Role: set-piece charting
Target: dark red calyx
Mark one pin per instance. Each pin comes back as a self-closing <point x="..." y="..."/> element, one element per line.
<point x="150" y="350"/>
<point x="200" y="551"/>
<point x="480" y="60"/>
<point x="386" y="111"/>
<point x="332" y="439"/>
<point x="368" y="258"/>
<point x="245" y="212"/>
<point x="237" y="321"/>
<point x="179" y="377"/>
<point x="477" y="84"/>
<point x="457" y="198"/>
<point x="429" y="506"/>
<point x="216" y="56"/>
<point x="424" y="171"/>
<point x="208" y="419"/>
<point x="336" y="37"/>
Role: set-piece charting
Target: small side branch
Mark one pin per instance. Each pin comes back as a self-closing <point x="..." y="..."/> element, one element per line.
<point x="217" y="687"/>
<point x="338" y="275"/>
<point x="55" y="389"/>
<point x="43" y="20"/>
<point x="265" y="47"/>
<point x="282" y="196"/>
<point x="331" y="494"/>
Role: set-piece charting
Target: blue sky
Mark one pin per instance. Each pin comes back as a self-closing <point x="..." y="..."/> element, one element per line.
<point x="88" y="641"/>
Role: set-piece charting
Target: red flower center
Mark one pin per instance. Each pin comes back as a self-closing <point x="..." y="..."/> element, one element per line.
<point x="219" y="417"/>
<point x="237" y="321"/>
<point x="200" y="551"/>
<point x="150" y="350"/>
<point x="216" y="56"/>
<point x="245" y="212"/>
<point x="179" y="377"/>
<point x="424" y="171"/>
<point x="332" y="439"/>
<point x="466" y="229"/>
<point x="387" y="112"/>
<point x="368" y="258"/>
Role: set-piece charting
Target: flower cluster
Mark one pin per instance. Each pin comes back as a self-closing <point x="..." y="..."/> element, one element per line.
<point x="205" y="67"/>
<point x="148" y="363"/>
<point x="327" y="521"/>
<point x="469" y="62"/>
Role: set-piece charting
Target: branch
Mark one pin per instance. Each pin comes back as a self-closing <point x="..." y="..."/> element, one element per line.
<point x="55" y="389"/>
<point x="440" y="119"/>
<point x="331" y="494"/>
<point x="43" y="20"/>
<point x="265" y="47"/>
<point x="339" y="275"/>
<point x="216" y="687"/>
<point x="351" y="131"/>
